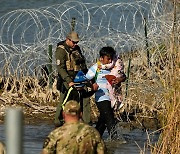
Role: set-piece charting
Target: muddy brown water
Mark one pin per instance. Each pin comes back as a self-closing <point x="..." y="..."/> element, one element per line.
<point x="34" y="135"/>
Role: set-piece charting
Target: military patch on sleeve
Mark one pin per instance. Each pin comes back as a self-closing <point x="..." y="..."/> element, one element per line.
<point x="58" y="62"/>
<point x="46" y="142"/>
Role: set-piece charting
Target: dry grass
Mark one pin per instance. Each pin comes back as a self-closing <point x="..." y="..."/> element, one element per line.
<point x="30" y="93"/>
<point x="169" y="141"/>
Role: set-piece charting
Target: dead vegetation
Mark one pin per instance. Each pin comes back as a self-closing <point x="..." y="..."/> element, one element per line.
<point x="29" y="93"/>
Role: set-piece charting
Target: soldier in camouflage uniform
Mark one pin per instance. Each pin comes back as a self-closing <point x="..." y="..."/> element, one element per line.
<point x="69" y="60"/>
<point x="74" y="137"/>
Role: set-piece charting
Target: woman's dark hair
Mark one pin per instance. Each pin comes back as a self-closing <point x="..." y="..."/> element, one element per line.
<point x="107" y="51"/>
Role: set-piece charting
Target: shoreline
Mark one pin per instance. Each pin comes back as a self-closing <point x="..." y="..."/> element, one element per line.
<point x="133" y="122"/>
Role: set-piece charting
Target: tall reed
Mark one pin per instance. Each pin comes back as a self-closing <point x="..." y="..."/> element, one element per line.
<point x="169" y="141"/>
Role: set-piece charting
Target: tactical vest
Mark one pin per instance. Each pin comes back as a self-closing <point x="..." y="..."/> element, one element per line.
<point x="75" y="61"/>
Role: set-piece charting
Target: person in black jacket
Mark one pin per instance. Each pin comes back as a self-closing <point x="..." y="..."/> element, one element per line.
<point x="77" y="93"/>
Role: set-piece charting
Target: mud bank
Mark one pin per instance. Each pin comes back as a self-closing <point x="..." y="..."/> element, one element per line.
<point x="126" y="120"/>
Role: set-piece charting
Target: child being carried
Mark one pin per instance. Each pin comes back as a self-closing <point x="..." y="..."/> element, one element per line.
<point x="115" y="90"/>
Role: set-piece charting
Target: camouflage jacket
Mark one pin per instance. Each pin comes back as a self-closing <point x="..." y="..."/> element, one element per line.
<point x="74" y="138"/>
<point x="69" y="62"/>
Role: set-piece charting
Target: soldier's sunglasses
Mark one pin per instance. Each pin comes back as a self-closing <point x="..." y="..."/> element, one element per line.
<point x="74" y="42"/>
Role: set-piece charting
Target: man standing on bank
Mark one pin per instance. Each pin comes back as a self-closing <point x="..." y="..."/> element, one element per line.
<point x="74" y="137"/>
<point x="69" y="61"/>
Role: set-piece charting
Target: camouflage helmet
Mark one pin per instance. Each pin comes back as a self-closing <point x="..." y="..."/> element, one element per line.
<point x="72" y="107"/>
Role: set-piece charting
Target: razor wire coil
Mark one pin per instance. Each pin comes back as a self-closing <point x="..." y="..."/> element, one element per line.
<point x="26" y="33"/>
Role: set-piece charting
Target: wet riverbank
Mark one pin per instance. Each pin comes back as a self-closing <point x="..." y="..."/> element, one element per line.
<point x="137" y="131"/>
<point x="137" y="139"/>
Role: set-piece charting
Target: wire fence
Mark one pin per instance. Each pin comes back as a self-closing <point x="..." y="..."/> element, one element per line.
<point x="25" y="34"/>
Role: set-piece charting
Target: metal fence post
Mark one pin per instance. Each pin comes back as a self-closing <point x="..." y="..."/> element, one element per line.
<point x="50" y="66"/>
<point x="146" y="41"/>
<point x="14" y="130"/>
<point x="128" y="74"/>
<point x="73" y="23"/>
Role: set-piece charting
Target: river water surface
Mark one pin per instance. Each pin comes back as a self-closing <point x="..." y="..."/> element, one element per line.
<point x="34" y="136"/>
